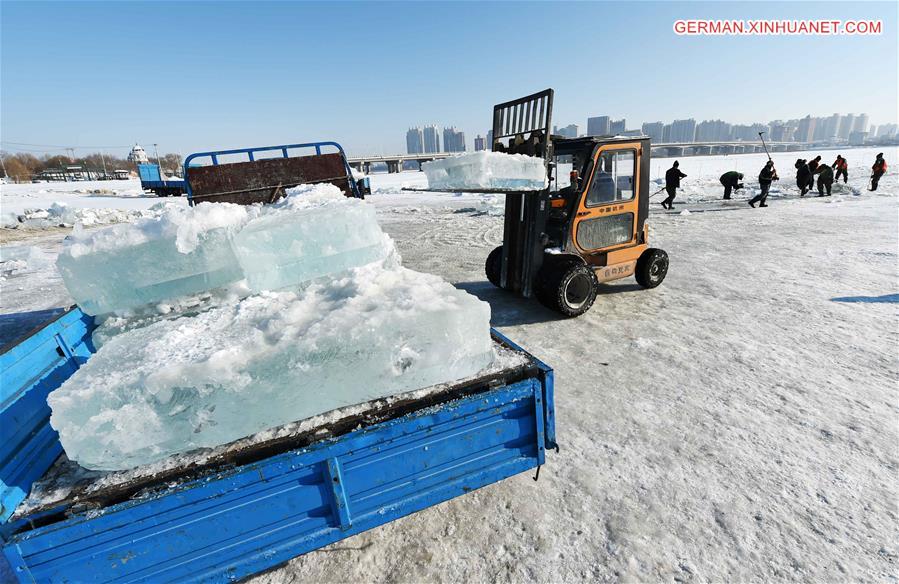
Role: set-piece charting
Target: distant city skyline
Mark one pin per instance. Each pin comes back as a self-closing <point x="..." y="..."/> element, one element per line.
<point x="805" y="129"/>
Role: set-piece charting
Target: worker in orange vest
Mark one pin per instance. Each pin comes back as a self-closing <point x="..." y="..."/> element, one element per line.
<point x="842" y="167"/>
<point x="877" y="170"/>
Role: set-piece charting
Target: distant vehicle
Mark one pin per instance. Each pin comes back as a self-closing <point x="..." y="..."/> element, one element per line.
<point x="152" y="180"/>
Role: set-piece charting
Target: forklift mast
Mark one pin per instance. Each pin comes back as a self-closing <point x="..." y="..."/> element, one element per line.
<point x="523" y="126"/>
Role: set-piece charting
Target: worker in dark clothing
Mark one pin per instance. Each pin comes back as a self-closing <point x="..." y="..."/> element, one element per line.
<point x="812" y="167"/>
<point x="877" y="171"/>
<point x="802" y="176"/>
<point x="672" y="183"/>
<point x="825" y="179"/>
<point x="766" y="176"/>
<point x="731" y="181"/>
<point x="842" y="167"/>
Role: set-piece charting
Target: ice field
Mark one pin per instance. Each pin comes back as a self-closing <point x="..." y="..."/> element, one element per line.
<point x="737" y="423"/>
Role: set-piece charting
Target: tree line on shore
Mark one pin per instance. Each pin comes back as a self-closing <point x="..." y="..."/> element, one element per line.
<point x="23" y="166"/>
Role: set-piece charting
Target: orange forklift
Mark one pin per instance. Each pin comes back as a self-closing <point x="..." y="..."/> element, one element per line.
<point x="560" y="242"/>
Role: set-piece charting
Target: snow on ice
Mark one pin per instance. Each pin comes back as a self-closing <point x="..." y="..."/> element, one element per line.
<point x="190" y="380"/>
<point x="486" y="170"/>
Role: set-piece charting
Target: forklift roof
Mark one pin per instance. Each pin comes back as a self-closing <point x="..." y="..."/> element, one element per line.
<point x="563" y="145"/>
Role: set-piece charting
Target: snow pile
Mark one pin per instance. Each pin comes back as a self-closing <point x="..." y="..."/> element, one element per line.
<point x="486" y="170"/>
<point x="217" y="368"/>
<point x="63" y="215"/>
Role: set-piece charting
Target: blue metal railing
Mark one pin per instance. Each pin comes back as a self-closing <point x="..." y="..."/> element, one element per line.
<point x="285" y="153"/>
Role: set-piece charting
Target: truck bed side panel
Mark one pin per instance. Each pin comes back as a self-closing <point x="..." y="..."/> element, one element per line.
<point x="256" y="516"/>
<point x="31" y="370"/>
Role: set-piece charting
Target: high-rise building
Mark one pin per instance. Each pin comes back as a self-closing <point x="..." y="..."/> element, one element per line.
<point x="489" y="139"/>
<point x="683" y="130"/>
<point x="569" y="131"/>
<point x="666" y="133"/>
<point x="830" y="127"/>
<point x="415" y="141"/>
<point x="806" y="130"/>
<point x="846" y="124"/>
<point x="654" y="131"/>
<point x="479" y="143"/>
<point x="713" y="131"/>
<point x="857" y="138"/>
<point x="778" y="131"/>
<point x="599" y="126"/>
<point x="617" y="127"/>
<point x="453" y="140"/>
<point x="886" y="130"/>
<point x="431" y="139"/>
<point x="748" y="133"/>
<point x="861" y="123"/>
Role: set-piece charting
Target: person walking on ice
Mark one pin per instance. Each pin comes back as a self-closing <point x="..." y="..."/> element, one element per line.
<point x="877" y="170"/>
<point x="731" y="181"/>
<point x="842" y="167"/>
<point x="825" y="179"/>
<point x="803" y="174"/>
<point x="766" y="176"/>
<point x="672" y="183"/>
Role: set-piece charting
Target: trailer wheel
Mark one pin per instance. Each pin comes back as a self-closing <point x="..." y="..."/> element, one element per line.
<point x="567" y="286"/>
<point x="494" y="266"/>
<point x="652" y="267"/>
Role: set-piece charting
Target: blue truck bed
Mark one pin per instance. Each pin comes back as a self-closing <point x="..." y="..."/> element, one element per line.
<point x="252" y="509"/>
<point x="151" y="180"/>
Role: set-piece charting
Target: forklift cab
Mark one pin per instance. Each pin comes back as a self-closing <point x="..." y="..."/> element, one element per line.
<point x="605" y="210"/>
<point x="588" y="227"/>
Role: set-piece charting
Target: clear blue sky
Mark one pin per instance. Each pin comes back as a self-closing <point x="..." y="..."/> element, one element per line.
<point x="217" y="75"/>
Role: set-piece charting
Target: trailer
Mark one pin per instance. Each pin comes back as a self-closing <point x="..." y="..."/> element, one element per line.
<point x="151" y="180"/>
<point x="248" y="506"/>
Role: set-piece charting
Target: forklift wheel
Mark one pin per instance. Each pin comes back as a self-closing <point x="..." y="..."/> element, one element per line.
<point x="651" y="268"/>
<point x="568" y="287"/>
<point x="494" y="266"/>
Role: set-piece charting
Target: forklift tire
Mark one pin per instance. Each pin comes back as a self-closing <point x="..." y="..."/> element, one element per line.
<point x="494" y="266"/>
<point x="651" y="268"/>
<point x="566" y="286"/>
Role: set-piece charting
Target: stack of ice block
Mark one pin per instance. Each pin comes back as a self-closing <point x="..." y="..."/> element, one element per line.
<point x="487" y="170"/>
<point x="315" y="231"/>
<point x="185" y="251"/>
<point x="232" y="371"/>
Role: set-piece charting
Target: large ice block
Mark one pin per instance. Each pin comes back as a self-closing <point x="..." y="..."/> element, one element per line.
<point x="486" y="170"/>
<point x="185" y="251"/>
<point x="273" y="358"/>
<point x="312" y="232"/>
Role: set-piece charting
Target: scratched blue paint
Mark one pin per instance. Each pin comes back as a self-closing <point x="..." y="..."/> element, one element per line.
<point x="239" y="522"/>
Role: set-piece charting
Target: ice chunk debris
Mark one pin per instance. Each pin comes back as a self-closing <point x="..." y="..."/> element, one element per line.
<point x="314" y="231"/>
<point x="486" y="170"/>
<point x="204" y="380"/>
